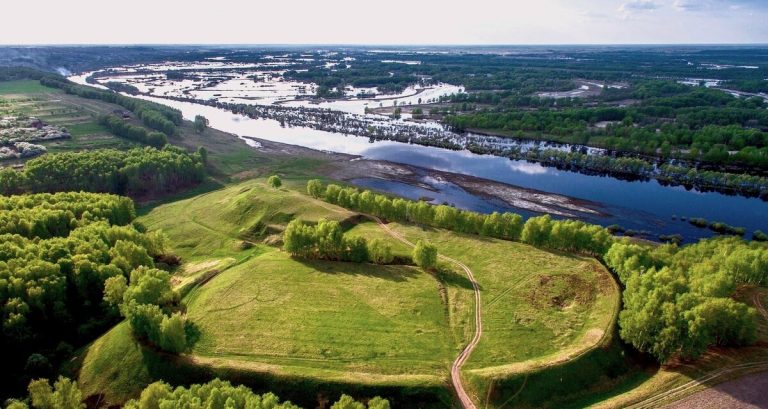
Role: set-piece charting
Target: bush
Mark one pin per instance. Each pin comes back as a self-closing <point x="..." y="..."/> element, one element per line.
<point x="274" y="181"/>
<point x="425" y="255"/>
<point x="380" y="252"/>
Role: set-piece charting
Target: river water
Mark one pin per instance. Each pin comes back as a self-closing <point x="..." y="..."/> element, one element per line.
<point x="638" y="205"/>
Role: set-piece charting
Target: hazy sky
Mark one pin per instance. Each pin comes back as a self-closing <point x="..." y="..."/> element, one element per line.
<point x="384" y="22"/>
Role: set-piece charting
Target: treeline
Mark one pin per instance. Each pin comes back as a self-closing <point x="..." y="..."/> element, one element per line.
<point x="124" y="129"/>
<point x="671" y="120"/>
<point x="155" y="116"/>
<point x="636" y="168"/>
<point x="566" y="235"/>
<point x="66" y="394"/>
<point x="122" y="87"/>
<point x="325" y="240"/>
<point x="56" y="253"/>
<point x="678" y="301"/>
<point x="51" y="215"/>
<point x="135" y="172"/>
<point x="386" y="77"/>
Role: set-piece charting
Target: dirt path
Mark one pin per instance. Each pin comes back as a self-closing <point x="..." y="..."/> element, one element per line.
<point x="466" y="401"/>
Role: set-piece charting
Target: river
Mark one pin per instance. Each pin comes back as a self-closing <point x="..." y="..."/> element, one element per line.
<point x="638" y="205"/>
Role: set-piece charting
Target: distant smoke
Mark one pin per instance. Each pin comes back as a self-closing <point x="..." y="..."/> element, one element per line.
<point x="63" y="71"/>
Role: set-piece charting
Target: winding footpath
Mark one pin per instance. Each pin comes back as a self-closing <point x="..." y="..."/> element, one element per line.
<point x="466" y="401"/>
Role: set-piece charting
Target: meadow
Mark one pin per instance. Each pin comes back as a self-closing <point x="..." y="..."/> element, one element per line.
<point x="256" y="309"/>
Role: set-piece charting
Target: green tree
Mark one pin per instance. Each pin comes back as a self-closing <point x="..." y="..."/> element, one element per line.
<point x="173" y="337"/>
<point x="425" y="255"/>
<point x="380" y="252"/>
<point x="356" y="250"/>
<point x="64" y="394"/>
<point x="347" y="402"/>
<point x="536" y="230"/>
<point x="152" y="395"/>
<point x="200" y="123"/>
<point x="315" y="188"/>
<point x="378" y="403"/>
<point x="274" y="181"/>
<point x="203" y="153"/>
<point x="114" y="290"/>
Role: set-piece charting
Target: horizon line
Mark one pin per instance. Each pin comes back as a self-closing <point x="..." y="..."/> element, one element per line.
<point x="380" y="44"/>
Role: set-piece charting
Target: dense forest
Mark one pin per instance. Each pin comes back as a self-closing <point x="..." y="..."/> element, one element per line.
<point x="56" y="253"/>
<point x="668" y="120"/>
<point x="65" y="394"/>
<point x="136" y="172"/>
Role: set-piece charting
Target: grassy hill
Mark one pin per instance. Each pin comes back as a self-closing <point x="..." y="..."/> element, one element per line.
<point x="263" y="315"/>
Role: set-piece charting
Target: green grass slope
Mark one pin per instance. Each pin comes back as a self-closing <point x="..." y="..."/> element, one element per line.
<point x="263" y="316"/>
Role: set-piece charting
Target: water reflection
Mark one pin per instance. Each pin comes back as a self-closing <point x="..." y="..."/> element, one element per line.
<point x="638" y="205"/>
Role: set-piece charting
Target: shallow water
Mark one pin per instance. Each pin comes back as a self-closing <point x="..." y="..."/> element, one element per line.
<point x="638" y="205"/>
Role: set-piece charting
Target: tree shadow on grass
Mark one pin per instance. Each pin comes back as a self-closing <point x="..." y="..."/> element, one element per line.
<point x="454" y="279"/>
<point x="193" y="333"/>
<point x="147" y="204"/>
<point x="386" y="272"/>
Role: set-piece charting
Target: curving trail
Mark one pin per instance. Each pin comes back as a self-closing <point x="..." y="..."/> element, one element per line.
<point x="466" y="401"/>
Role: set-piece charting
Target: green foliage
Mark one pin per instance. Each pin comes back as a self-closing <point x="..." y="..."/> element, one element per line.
<point x="504" y="226"/>
<point x="200" y="123"/>
<point x="150" y="286"/>
<point x="214" y="394"/>
<point x="710" y="122"/>
<point x="57" y="251"/>
<point x="425" y="255"/>
<point x="146" y="303"/>
<point x="325" y="241"/>
<point x="314" y="188"/>
<point x="114" y="290"/>
<point x="136" y="172"/>
<point x="347" y="402"/>
<point x="537" y="230"/>
<point x="64" y="394"/>
<point x="566" y="235"/>
<point x="203" y="153"/>
<point x="677" y="300"/>
<point x="124" y="129"/>
<point x="380" y="252"/>
<point x="222" y="394"/>
<point x="274" y="181"/>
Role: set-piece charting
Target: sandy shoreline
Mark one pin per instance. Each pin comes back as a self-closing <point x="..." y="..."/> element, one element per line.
<point x="347" y="167"/>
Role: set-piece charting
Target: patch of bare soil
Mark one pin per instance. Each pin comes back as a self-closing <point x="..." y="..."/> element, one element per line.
<point x="745" y="392"/>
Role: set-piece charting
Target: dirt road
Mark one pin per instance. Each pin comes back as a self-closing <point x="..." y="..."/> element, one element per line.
<point x="466" y="401"/>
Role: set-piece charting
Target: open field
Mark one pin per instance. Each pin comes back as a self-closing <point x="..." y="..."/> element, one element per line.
<point x="369" y="322"/>
<point x="23" y="87"/>
<point x="52" y="106"/>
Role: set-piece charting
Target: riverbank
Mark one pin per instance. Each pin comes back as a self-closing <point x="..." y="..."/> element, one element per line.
<point x="348" y="168"/>
<point x="578" y="159"/>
